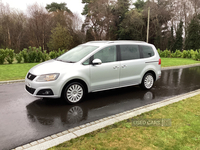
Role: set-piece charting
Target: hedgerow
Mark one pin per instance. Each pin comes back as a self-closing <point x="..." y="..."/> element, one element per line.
<point x="191" y="54"/>
<point x="33" y="54"/>
<point x="30" y="55"/>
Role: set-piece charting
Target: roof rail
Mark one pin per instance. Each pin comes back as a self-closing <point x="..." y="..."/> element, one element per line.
<point x="122" y="41"/>
<point x="98" y="42"/>
<point x="116" y="41"/>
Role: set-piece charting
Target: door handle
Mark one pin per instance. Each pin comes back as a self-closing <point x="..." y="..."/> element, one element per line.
<point x="124" y="66"/>
<point x="115" y="67"/>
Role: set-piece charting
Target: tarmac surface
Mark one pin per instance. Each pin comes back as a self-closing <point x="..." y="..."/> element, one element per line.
<point x="25" y="119"/>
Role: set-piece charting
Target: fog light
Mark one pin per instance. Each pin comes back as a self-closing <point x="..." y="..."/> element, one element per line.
<point x="45" y="92"/>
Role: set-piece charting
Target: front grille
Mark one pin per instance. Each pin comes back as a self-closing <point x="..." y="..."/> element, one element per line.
<point x="30" y="90"/>
<point x="31" y="76"/>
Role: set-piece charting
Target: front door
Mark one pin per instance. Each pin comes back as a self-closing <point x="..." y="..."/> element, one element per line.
<point x="105" y="75"/>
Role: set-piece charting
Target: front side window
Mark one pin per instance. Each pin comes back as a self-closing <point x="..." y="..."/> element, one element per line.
<point x="129" y="52"/>
<point x="77" y="53"/>
<point x="87" y="62"/>
<point x="107" y="54"/>
<point x="147" y="51"/>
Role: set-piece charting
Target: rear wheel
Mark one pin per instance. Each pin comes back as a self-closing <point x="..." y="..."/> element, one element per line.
<point x="74" y="93"/>
<point x="147" y="81"/>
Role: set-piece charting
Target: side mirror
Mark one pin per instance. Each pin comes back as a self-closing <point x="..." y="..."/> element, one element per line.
<point x="96" y="62"/>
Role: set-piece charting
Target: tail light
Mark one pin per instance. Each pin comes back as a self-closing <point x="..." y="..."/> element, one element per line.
<point x="159" y="62"/>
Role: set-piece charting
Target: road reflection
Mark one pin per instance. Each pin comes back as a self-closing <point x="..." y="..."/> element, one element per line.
<point x="46" y="112"/>
<point x="55" y="112"/>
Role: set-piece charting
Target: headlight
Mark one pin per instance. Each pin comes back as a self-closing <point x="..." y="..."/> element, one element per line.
<point x="47" y="77"/>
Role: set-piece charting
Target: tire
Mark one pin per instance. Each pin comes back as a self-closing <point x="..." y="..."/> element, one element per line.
<point x="74" y="93"/>
<point x="147" y="81"/>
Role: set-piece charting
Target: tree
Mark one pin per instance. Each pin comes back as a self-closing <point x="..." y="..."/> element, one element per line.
<point x="196" y="5"/>
<point x="181" y="10"/>
<point x="120" y="9"/>
<point x="139" y="5"/>
<point x="178" y="45"/>
<point x="132" y="27"/>
<point x="159" y="18"/>
<point x="99" y="18"/>
<point x="72" y="22"/>
<point x="17" y="30"/>
<point x="60" y="38"/>
<point x="86" y="7"/>
<point x="55" y="7"/>
<point x="75" y="30"/>
<point x="12" y="27"/>
<point x="60" y="14"/>
<point x="38" y="27"/>
<point x="89" y="36"/>
<point x="171" y="39"/>
<point x="193" y="34"/>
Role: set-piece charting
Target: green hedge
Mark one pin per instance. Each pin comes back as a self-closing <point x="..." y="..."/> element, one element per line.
<point x="33" y="54"/>
<point x="191" y="54"/>
<point x="7" y="55"/>
<point x="30" y="55"/>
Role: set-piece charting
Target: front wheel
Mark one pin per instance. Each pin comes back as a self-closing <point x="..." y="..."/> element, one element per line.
<point x="147" y="81"/>
<point x="74" y="92"/>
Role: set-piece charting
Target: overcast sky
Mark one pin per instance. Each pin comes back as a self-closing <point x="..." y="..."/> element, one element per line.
<point x="73" y="5"/>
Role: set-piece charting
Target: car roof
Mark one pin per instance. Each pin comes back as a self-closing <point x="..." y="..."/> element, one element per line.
<point x="102" y="43"/>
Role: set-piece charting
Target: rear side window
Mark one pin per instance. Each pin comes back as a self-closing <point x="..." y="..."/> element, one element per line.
<point x="108" y="54"/>
<point x="147" y="51"/>
<point x="129" y="52"/>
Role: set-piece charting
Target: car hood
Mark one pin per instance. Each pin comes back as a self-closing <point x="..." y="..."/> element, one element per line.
<point x="51" y="66"/>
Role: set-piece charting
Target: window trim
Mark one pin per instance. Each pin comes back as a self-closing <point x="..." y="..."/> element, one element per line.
<point x="141" y="51"/>
<point x="118" y="52"/>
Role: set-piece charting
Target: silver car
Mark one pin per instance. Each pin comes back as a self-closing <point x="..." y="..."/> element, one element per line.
<point x="95" y="66"/>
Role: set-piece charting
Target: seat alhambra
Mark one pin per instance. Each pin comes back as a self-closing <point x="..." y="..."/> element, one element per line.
<point x="95" y="66"/>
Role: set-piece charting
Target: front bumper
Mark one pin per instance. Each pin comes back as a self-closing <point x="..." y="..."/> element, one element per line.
<point x="50" y="89"/>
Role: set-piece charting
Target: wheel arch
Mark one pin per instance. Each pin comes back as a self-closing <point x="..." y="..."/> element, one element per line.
<point x="142" y="84"/>
<point x="152" y="72"/>
<point x="75" y="80"/>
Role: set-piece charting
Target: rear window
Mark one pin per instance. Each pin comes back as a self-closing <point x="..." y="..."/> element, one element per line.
<point x="147" y="51"/>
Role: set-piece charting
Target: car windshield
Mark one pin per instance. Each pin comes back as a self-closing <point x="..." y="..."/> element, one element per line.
<point x="77" y="53"/>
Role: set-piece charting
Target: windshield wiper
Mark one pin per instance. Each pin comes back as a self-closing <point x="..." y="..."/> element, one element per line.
<point x="65" y="61"/>
<point x="69" y="61"/>
<point x="58" y="59"/>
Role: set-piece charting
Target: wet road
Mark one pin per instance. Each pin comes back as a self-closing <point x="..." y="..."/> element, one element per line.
<point x="24" y="119"/>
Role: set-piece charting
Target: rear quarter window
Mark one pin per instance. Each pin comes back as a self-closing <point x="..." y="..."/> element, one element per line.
<point x="147" y="51"/>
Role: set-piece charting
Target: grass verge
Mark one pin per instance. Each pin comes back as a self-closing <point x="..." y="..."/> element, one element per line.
<point x="169" y="62"/>
<point x="14" y="71"/>
<point x="183" y="134"/>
